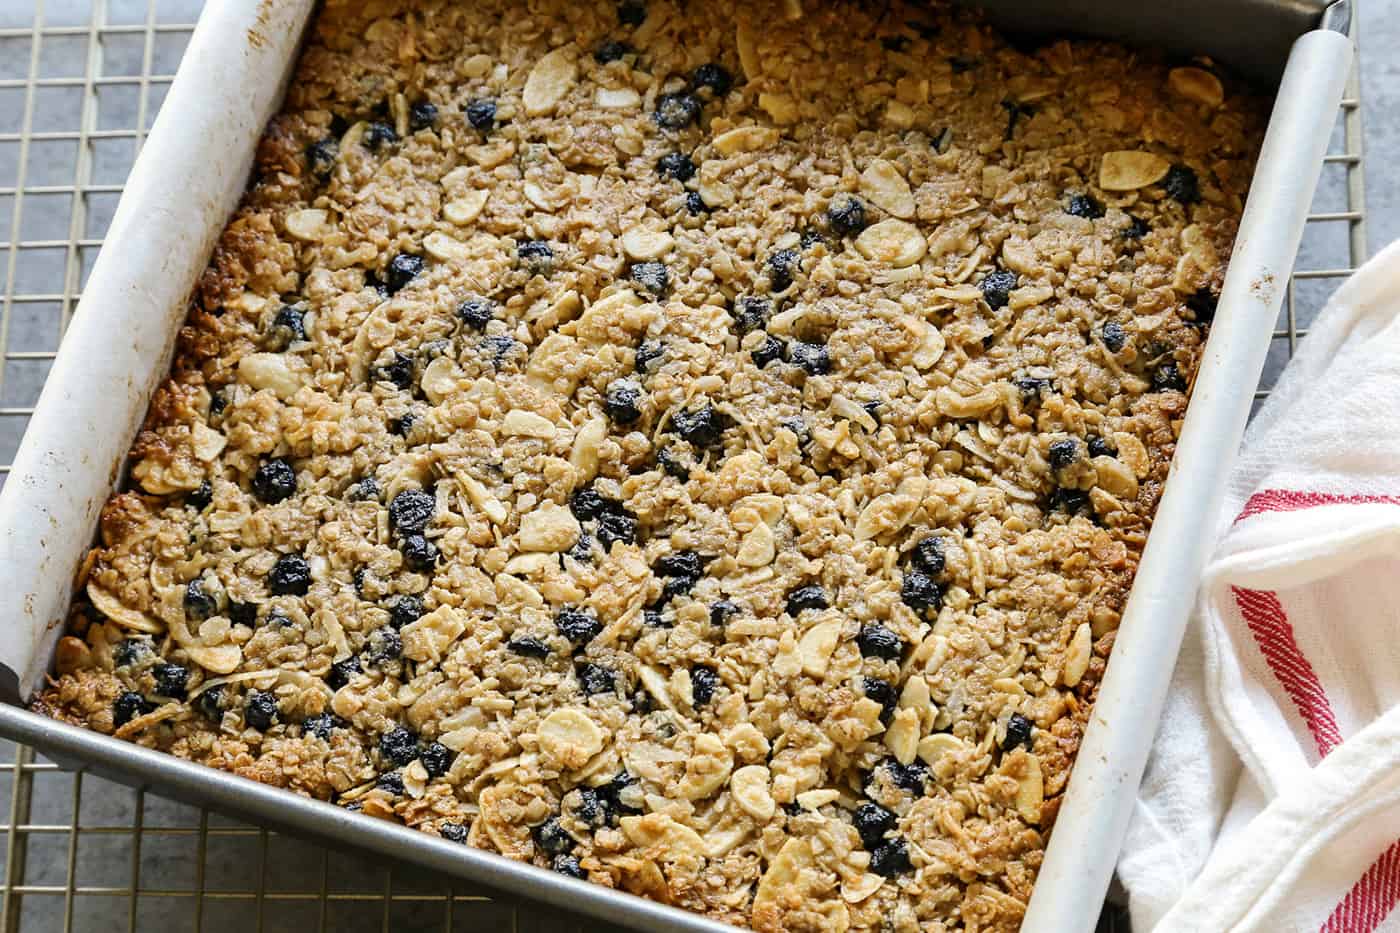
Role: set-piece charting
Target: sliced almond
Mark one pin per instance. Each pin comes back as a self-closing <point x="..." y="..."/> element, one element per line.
<point x="568" y="738"/>
<point x="713" y="189"/>
<point x="1030" y="791"/>
<point x="550" y="79"/>
<point x="758" y="547"/>
<point x="1115" y="477"/>
<point x="789" y="659"/>
<point x="816" y="799"/>
<point x="521" y="423"/>
<point x="467" y="208"/>
<point x="549" y="527"/>
<point x="1081" y="649"/>
<point x="220" y="659"/>
<point x="954" y="404"/>
<point x="749" y="786"/>
<point x="1198" y="85"/>
<point x="658" y="829"/>
<point x="482" y="499"/>
<point x="1130" y="169"/>
<point x="206" y="442"/>
<point x="885" y="187"/>
<point x="780" y="880"/>
<point x="893" y="242"/>
<point x="860" y="888"/>
<point x="623" y="98"/>
<point x="902" y="737"/>
<point x="930" y="347"/>
<point x="428" y="638"/>
<point x="1133" y="453"/>
<point x="269" y="371"/>
<point x="584" y="455"/>
<point x="746" y="139"/>
<point x="643" y="244"/>
<point x="935" y="747"/>
<point x="440" y="379"/>
<point x="707" y="769"/>
<point x="444" y="248"/>
<point x="113" y="608"/>
<point x="309" y="225"/>
<point x="817" y="646"/>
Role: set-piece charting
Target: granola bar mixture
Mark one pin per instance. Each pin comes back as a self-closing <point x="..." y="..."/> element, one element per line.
<point x="702" y="448"/>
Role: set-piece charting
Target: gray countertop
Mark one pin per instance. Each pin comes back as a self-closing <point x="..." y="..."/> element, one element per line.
<point x="233" y="877"/>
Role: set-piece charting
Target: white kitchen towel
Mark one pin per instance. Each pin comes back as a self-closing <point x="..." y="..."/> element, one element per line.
<point x="1272" y="800"/>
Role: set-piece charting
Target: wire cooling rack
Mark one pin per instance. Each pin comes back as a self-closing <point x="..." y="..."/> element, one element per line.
<point x="80" y="84"/>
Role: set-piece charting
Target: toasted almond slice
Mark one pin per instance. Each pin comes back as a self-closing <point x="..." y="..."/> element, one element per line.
<point x="643" y="244"/>
<point x="860" y="888"/>
<point x="902" y="737"/>
<point x="220" y="659"/>
<point x="894" y="242"/>
<point x="549" y="527"/>
<point x="658" y="829"/>
<point x="758" y="547"/>
<point x="584" y="455"/>
<point x="1133" y="453"/>
<point x="930" y="348"/>
<point x="269" y="371"/>
<point x="1130" y="169"/>
<point x="113" y="608"/>
<point x="885" y="187"/>
<point x="934" y="747"/>
<point x="206" y="442"/>
<point x="782" y="875"/>
<point x="467" y="208"/>
<point x="746" y="139"/>
<point x="817" y="646"/>
<point x="624" y="98"/>
<point x="549" y="81"/>
<point x="428" y="638"/>
<point x="1030" y="792"/>
<point x="440" y="378"/>
<point x="1198" y="85"/>
<point x="521" y="423"/>
<point x="308" y="225"/>
<point x="816" y="799"/>
<point x="708" y="768"/>
<point x="444" y="248"/>
<point x="749" y="786"/>
<point x="1116" y="477"/>
<point x="1081" y="649"/>
<point x="568" y="738"/>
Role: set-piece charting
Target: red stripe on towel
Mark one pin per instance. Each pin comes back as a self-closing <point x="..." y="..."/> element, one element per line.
<point x="1288" y="500"/>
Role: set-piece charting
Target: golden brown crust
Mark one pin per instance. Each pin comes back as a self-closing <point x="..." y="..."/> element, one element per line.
<point x="708" y="742"/>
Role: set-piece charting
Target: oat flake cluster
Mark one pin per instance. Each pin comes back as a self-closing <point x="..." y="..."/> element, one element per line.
<point x="699" y="448"/>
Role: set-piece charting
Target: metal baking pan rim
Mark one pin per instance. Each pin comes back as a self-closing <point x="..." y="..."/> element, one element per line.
<point x="1059" y="903"/>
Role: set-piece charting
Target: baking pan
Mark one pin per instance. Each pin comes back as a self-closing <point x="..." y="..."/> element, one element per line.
<point x="186" y="184"/>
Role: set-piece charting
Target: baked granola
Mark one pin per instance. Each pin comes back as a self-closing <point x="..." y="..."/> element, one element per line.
<point x="700" y="448"/>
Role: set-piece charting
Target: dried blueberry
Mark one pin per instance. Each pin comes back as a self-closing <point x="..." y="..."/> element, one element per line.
<point x="384" y="644"/>
<point x="703" y="682"/>
<point x="680" y="564"/>
<point x="1114" y="336"/>
<point x="128" y="706"/>
<point x="676" y="111"/>
<point x="171" y="680"/>
<point x="528" y="647"/>
<point x="377" y="135"/>
<point x="920" y="593"/>
<point x="420" y="554"/>
<point x="411" y="510"/>
<point x="537" y="256"/>
<point x="1033" y="388"/>
<point x="290" y="576"/>
<point x="1099" y="447"/>
<point x="623" y="401"/>
<point x="422" y="116"/>
<point x="1063" y="453"/>
<point x="399" y="746"/>
<point x="131" y="651"/>
<point x="811" y="237"/>
<point x="498" y="347"/>
<point x="911" y="777"/>
<point x="595" y="678"/>
<point x="199" y="604"/>
<point x="475" y="312"/>
<point x="1136" y="229"/>
<point x="872" y="821"/>
<point x="611" y="51"/>
<point x="582" y="551"/>
<point x="481" y="114"/>
<point x="403" y="268"/>
<point x="589" y="808"/>
<point x="406" y="609"/>
<point x="341" y="671"/>
<point x="398" y="371"/>
<point x="552" y="837"/>
<point x="651" y="276"/>
<point x="812" y="358"/>
<point x="631" y="13"/>
<point x="890" y="858"/>
<point x="668" y="461"/>
<point x="928" y="555"/>
<point x="1167" y="377"/>
<point x="579" y="626"/>
<point x="648" y="354"/>
<point x="695" y="204"/>
<point x="1182" y="185"/>
<point x="391" y="781"/>
<point x="882" y="692"/>
<point x="1202" y="304"/>
<point x="877" y="641"/>
<point x="752" y="313"/>
<point x="319" y="726"/>
<point x="210" y="703"/>
<point x="713" y="77"/>
<point x="846" y="215"/>
<point x="782" y="266"/>
<point x="274" y="481"/>
<point x="587" y="503"/>
<point x="1081" y="205"/>
<point x="436" y="758"/>
<point x="1070" y="501"/>
<point x="320" y="155"/>
<point x="610" y="794"/>
<point x="1018" y="732"/>
<point x="243" y="613"/>
<point x="701" y="427"/>
<point x="613" y="527"/>
<point x="996" y="288"/>
<point x="722" y="611"/>
<point x="568" y="865"/>
<point x="771" y="350"/>
<point x="260" y="710"/>
<point x="366" y="490"/>
<point x="287" y="325"/>
<point x="653" y="617"/>
<point x="810" y="596"/>
<point x="403" y="425"/>
<point x="453" y="832"/>
<point x="676" y="165"/>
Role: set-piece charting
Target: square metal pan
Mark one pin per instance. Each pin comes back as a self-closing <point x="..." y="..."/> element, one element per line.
<point x="186" y="184"/>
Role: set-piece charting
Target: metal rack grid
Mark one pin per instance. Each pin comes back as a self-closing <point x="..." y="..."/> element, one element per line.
<point x="80" y="84"/>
